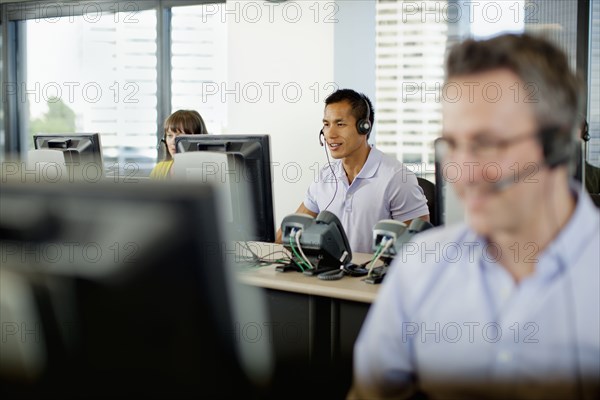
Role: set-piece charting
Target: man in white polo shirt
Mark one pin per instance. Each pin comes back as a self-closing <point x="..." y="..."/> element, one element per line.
<point x="362" y="185"/>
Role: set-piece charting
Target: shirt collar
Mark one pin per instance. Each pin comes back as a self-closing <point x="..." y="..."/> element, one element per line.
<point x="367" y="171"/>
<point x="571" y="240"/>
<point x="371" y="165"/>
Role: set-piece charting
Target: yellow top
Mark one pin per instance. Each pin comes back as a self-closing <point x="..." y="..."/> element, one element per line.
<point x="161" y="170"/>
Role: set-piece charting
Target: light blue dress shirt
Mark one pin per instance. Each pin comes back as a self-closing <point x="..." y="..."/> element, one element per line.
<point x="383" y="189"/>
<point x="447" y="313"/>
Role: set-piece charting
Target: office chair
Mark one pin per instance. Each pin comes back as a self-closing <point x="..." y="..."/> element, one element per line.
<point x="430" y="193"/>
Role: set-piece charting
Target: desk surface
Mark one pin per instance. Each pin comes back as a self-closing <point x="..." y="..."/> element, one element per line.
<point x="347" y="288"/>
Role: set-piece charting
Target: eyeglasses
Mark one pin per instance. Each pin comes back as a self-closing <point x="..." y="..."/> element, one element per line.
<point x="483" y="148"/>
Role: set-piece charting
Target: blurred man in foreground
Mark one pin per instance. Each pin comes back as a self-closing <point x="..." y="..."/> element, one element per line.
<point x="507" y="304"/>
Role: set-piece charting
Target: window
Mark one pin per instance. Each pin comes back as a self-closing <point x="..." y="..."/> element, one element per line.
<point x="594" y="85"/>
<point x="412" y="158"/>
<point x="1" y="101"/>
<point x="412" y="39"/>
<point x="199" y="63"/>
<point x="100" y="67"/>
<point x="96" y="75"/>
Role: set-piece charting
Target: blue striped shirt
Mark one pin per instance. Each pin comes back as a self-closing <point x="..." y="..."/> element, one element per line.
<point x="447" y="313"/>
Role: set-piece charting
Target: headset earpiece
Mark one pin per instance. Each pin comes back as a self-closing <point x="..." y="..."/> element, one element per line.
<point x="321" y="134"/>
<point x="363" y="126"/>
<point x="162" y="140"/>
<point x="556" y="145"/>
<point x="585" y="131"/>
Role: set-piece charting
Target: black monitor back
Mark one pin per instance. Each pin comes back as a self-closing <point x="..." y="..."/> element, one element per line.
<point x="79" y="148"/>
<point x="151" y="317"/>
<point x="252" y="154"/>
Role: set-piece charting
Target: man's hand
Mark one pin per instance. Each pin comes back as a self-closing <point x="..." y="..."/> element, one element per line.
<point x="423" y="217"/>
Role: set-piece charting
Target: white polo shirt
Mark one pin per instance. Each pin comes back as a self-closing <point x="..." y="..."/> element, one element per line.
<point x="383" y="189"/>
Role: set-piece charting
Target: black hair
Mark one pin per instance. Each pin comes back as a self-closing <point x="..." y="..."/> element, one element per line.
<point x="356" y="100"/>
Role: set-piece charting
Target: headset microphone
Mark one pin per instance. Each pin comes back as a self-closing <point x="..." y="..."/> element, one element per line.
<point x="321" y="135"/>
<point x="557" y="148"/>
<point x="505" y="183"/>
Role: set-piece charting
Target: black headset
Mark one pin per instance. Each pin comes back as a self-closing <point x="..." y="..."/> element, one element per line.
<point x="160" y="142"/>
<point x="557" y="145"/>
<point x="585" y="131"/>
<point x="363" y="126"/>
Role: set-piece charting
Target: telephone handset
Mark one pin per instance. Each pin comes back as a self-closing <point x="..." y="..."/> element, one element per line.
<point x="327" y="217"/>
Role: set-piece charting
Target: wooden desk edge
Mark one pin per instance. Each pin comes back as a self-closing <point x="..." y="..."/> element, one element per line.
<point x="366" y="296"/>
<point x="348" y="288"/>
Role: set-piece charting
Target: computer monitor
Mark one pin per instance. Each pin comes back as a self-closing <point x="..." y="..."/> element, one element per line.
<point x="123" y="290"/>
<point x="82" y="153"/>
<point x="247" y="169"/>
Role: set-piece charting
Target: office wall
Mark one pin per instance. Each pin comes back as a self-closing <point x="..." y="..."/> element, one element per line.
<point x="302" y="53"/>
<point x="354" y="46"/>
<point x="291" y="63"/>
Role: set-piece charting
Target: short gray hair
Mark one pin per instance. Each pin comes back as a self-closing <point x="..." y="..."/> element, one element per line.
<point x="537" y="62"/>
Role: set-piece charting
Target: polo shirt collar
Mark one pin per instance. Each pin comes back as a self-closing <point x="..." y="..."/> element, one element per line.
<point x="373" y="160"/>
<point x="367" y="171"/>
